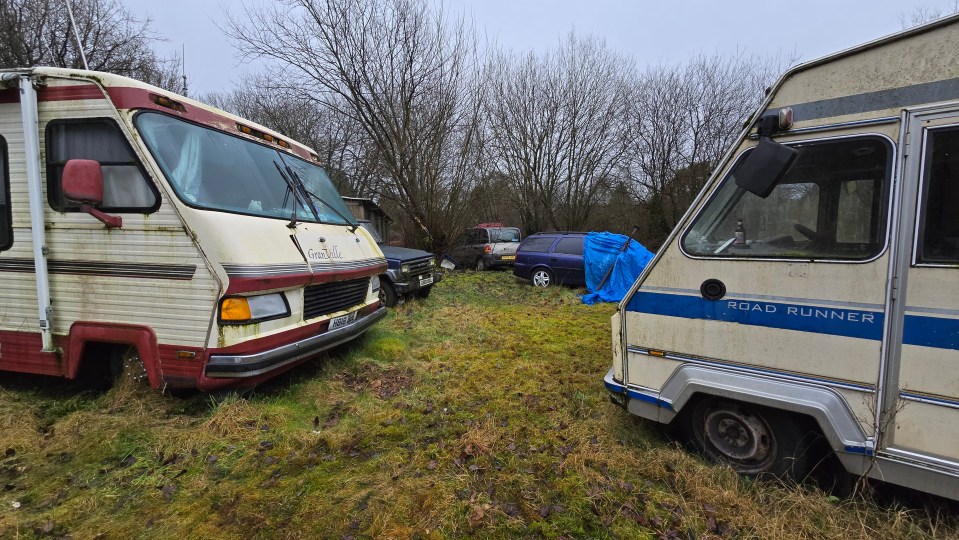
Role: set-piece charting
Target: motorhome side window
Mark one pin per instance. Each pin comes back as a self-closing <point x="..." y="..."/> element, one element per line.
<point x="6" y="221"/>
<point x="125" y="186"/>
<point x="939" y="228"/>
<point x="831" y="205"/>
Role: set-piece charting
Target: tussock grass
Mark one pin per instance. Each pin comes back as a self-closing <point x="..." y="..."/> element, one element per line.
<point x="479" y="412"/>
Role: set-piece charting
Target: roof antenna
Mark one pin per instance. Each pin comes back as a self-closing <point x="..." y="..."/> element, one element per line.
<point x="73" y="24"/>
<point x="183" y="67"/>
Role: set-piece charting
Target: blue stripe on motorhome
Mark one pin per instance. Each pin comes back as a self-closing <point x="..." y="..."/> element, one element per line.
<point x="629" y="392"/>
<point x="935" y="332"/>
<point x="866" y="451"/>
<point x="892" y="98"/>
<point x="818" y="319"/>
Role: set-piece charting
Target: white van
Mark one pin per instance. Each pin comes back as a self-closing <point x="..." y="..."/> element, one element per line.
<point x="135" y="223"/>
<point x="812" y="289"/>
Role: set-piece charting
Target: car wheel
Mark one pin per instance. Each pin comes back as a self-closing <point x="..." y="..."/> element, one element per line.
<point x="541" y="277"/>
<point x="387" y="294"/>
<point x="753" y="440"/>
<point x="424" y="293"/>
<point x="481" y="264"/>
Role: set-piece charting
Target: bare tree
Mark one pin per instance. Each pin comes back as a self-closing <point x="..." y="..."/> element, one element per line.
<point x="923" y="14"/>
<point x="404" y="74"/>
<point x="556" y="129"/>
<point x="38" y="32"/>
<point x="682" y="121"/>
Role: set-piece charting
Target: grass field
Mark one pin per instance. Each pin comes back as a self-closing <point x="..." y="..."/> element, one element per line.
<point x="479" y="412"/>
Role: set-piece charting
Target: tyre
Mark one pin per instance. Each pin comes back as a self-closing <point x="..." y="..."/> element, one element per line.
<point x="541" y="277"/>
<point x="481" y="264"/>
<point x="753" y="440"/>
<point x="425" y="292"/>
<point x="387" y="294"/>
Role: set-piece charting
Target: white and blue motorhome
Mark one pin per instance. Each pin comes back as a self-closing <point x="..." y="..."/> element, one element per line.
<point x="813" y="286"/>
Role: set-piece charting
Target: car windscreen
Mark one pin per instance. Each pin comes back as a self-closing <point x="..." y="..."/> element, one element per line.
<point x="510" y="234"/>
<point x="213" y="170"/>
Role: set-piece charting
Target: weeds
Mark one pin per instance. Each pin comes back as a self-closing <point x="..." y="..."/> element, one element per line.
<point x="479" y="412"/>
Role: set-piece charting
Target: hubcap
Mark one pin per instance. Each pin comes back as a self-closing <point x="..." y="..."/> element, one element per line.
<point x="541" y="278"/>
<point x="739" y="436"/>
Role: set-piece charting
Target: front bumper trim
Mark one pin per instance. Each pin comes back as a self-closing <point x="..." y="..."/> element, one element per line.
<point x="251" y="365"/>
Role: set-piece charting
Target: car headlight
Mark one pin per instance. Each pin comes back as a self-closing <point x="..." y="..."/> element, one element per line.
<point x="375" y="283"/>
<point x="405" y="268"/>
<point x="247" y="309"/>
<point x="433" y="263"/>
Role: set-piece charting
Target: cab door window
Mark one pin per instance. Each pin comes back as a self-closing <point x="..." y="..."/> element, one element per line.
<point x="831" y="205"/>
<point x="938" y="224"/>
<point x="125" y="184"/>
<point x="6" y="216"/>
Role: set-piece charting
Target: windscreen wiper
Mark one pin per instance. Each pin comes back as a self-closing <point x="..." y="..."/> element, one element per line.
<point x="311" y="196"/>
<point x="290" y="189"/>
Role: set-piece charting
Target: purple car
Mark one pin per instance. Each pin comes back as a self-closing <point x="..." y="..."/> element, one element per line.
<point x="551" y="258"/>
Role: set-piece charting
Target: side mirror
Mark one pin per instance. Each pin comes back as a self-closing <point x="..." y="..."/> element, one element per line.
<point x="82" y="182"/>
<point x="766" y="165"/>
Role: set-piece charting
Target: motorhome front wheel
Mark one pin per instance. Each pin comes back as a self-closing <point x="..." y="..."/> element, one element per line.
<point x="753" y="440"/>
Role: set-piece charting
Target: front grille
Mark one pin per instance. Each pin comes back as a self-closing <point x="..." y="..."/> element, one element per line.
<point x="331" y="297"/>
<point x="420" y="267"/>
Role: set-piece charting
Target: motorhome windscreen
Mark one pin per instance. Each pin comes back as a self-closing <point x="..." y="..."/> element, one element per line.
<point x="214" y="170"/>
<point x="831" y="205"/>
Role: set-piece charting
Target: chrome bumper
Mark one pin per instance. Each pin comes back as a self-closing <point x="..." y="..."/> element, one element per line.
<point x="251" y="365"/>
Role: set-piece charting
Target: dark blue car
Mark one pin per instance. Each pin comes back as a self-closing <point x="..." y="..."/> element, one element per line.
<point x="551" y="258"/>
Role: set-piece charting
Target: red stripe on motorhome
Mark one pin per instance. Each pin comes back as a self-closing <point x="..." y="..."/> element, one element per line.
<point x="139" y="98"/>
<point x="70" y="93"/>
<point x="247" y="284"/>
<point x="56" y="93"/>
<point x="9" y="95"/>
<point x="23" y="352"/>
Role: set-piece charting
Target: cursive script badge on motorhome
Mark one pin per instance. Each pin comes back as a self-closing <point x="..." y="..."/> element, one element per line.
<point x="319" y="249"/>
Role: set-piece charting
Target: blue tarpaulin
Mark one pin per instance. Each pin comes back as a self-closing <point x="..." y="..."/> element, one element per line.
<point x="600" y="251"/>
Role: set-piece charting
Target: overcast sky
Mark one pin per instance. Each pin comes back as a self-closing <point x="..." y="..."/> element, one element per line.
<point x="651" y="32"/>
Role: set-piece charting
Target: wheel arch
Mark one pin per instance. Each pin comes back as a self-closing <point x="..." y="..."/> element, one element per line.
<point x="822" y="405"/>
<point x="142" y="338"/>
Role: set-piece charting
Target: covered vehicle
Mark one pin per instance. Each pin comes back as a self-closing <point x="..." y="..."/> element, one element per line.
<point x="410" y="272"/>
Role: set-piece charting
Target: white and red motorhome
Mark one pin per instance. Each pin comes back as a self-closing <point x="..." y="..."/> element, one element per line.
<point x="138" y="223"/>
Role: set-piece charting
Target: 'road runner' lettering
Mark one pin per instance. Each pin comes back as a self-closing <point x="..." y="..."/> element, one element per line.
<point x="801" y="311"/>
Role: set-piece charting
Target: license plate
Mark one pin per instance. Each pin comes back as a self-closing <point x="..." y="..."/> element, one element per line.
<point x="509" y="257"/>
<point x="428" y="280"/>
<point x="341" y="321"/>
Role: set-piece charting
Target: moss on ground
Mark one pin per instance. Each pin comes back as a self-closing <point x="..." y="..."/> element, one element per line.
<point x="479" y="412"/>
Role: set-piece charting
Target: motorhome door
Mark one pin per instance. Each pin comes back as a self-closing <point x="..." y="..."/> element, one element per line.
<point x="923" y="402"/>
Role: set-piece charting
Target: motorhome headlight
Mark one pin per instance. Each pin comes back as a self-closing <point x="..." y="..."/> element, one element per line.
<point x="375" y="283"/>
<point x="248" y="309"/>
<point x="405" y="268"/>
